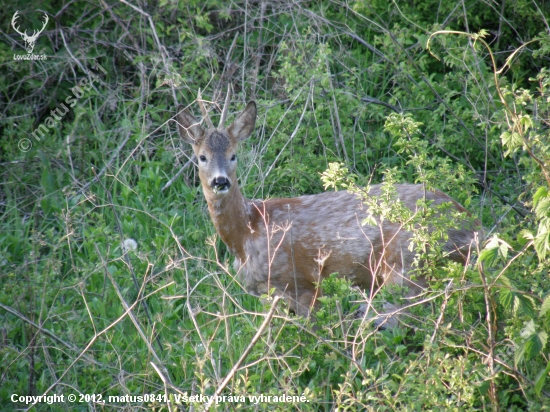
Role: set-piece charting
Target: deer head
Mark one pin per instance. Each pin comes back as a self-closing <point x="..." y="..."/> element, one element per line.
<point x="215" y="148"/>
<point x="30" y="41"/>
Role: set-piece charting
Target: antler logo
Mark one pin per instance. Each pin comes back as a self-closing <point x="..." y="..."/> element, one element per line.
<point x="30" y="41"/>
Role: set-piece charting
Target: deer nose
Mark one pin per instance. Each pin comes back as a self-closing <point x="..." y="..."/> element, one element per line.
<point x="220" y="183"/>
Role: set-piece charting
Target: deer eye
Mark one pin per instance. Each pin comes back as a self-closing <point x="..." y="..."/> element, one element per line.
<point x="202" y="158"/>
<point x="233" y="158"/>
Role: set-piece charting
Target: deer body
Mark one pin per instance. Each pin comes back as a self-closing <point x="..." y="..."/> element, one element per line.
<point x="292" y="244"/>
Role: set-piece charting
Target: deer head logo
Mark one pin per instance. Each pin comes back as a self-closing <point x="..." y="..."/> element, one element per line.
<point x="30" y="41"/>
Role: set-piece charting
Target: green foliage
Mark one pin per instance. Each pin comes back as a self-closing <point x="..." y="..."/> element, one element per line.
<point x="337" y="175"/>
<point x="541" y="241"/>
<point x="494" y="248"/>
<point x="113" y="284"/>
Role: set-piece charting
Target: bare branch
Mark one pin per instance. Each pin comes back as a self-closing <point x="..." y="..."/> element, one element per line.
<point x="204" y="112"/>
<point x="246" y="351"/>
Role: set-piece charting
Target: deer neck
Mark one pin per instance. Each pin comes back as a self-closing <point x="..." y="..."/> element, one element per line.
<point x="230" y="215"/>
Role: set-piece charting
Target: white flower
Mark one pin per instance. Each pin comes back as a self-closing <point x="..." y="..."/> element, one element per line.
<point x="129" y="244"/>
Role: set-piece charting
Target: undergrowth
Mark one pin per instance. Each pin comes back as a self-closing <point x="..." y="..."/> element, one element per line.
<point x="113" y="282"/>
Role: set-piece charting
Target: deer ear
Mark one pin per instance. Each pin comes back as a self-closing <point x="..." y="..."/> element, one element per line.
<point x="243" y="126"/>
<point x="189" y="128"/>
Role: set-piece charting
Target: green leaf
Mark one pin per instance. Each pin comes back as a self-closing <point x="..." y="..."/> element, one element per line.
<point x="379" y="349"/>
<point x="542" y="241"/>
<point x="494" y="248"/>
<point x="511" y="141"/>
<point x="534" y="342"/>
<point x="503" y="249"/>
<point x="526" y="304"/>
<point x="545" y="307"/>
<point x="506" y="298"/>
<point x="542" y="208"/>
<point x="539" y="382"/>
<point x="488" y="255"/>
<point x="484" y="387"/>
<point x="524" y="236"/>
<point x="369" y="220"/>
<point x="541" y="193"/>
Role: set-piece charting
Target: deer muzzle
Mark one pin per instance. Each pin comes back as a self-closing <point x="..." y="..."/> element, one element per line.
<point x="220" y="184"/>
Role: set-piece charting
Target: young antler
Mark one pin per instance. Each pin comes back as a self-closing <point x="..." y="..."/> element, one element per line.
<point x="225" y="106"/>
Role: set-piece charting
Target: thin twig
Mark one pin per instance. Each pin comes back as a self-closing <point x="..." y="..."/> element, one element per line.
<point x="228" y="68"/>
<point x="108" y="164"/>
<point x="161" y="48"/>
<point x="204" y="112"/>
<point x="246" y="352"/>
<point x="129" y="311"/>
<point x="368" y="99"/>
<point x="162" y="378"/>
<point x="129" y="263"/>
<point x="294" y="132"/>
<point x="489" y="308"/>
<point x="259" y="51"/>
<point x="54" y="336"/>
<point x="336" y="124"/>
<point x="177" y="175"/>
<point x="442" y="311"/>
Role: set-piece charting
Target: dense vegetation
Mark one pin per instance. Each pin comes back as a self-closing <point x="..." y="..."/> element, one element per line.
<point x="455" y="95"/>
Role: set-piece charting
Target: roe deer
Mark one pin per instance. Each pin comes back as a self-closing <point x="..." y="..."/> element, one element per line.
<point x="292" y="244"/>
